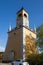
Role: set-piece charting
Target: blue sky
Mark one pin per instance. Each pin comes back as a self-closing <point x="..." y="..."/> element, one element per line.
<point x="8" y="9"/>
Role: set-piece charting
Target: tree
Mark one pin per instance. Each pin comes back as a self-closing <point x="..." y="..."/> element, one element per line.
<point x="30" y="46"/>
<point x="40" y="37"/>
<point x="35" y="59"/>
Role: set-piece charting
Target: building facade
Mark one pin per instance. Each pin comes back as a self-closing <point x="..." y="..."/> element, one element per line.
<point x="15" y="48"/>
<point x="1" y="56"/>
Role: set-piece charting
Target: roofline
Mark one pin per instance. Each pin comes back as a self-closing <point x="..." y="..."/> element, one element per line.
<point x="1" y="52"/>
<point x="29" y="29"/>
<point x="21" y="10"/>
<point x="21" y="27"/>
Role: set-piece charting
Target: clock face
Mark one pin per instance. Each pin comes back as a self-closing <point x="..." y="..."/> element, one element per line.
<point x="19" y="22"/>
<point x="23" y="22"/>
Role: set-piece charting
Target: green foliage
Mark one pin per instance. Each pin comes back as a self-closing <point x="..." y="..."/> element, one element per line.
<point x="37" y="58"/>
<point x="34" y="59"/>
<point x="40" y="37"/>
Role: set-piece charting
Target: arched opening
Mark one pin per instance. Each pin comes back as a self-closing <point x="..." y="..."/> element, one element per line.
<point x="20" y="15"/>
<point x="25" y="15"/>
<point x="12" y="55"/>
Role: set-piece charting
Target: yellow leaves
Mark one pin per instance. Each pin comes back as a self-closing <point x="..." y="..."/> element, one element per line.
<point x="1" y="55"/>
<point x="30" y="46"/>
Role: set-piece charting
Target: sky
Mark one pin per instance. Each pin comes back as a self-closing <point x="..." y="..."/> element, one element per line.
<point x="8" y="10"/>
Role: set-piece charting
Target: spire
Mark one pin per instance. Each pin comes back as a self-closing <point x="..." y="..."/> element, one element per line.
<point x="10" y="28"/>
<point x="34" y="28"/>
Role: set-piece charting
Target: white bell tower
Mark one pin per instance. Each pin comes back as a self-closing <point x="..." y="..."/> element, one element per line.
<point x="22" y="18"/>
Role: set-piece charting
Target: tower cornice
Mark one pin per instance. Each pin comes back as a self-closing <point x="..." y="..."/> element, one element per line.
<point x="20" y="28"/>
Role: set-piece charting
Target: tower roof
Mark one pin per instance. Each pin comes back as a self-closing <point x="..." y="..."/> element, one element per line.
<point x="21" y="10"/>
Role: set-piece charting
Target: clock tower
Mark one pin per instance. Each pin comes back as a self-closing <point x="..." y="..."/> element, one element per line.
<point x="17" y="38"/>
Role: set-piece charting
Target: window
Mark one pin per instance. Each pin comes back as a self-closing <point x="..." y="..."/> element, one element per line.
<point x="25" y="15"/>
<point x="11" y="57"/>
<point x="20" y="15"/>
<point x="14" y="33"/>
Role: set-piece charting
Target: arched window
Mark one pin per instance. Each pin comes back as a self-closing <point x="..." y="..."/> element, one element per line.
<point x="12" y="53"/>
<point x="25" y="15"/>
<point x="20" y="15"/>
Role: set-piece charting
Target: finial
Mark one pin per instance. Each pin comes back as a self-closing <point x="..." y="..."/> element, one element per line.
<point x="22" y="7"/>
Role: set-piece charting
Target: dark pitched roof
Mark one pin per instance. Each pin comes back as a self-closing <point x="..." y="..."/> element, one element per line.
<point x="21" y="10"/>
